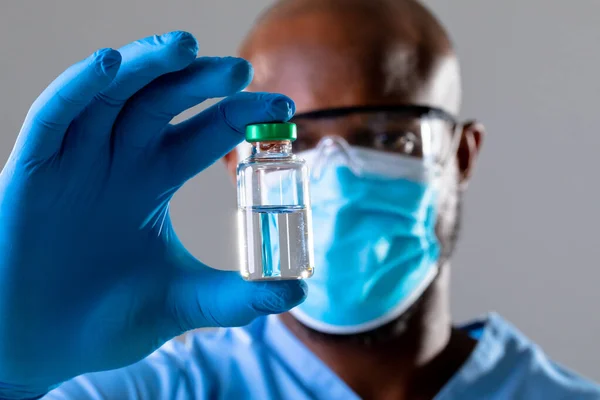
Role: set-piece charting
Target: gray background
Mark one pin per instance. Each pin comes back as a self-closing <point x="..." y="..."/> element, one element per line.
<point x="529" y="246"/>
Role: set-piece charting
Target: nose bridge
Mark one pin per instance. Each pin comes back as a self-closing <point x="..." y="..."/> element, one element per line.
<point x="333" y="145"/>
<point x="334" y="150"/>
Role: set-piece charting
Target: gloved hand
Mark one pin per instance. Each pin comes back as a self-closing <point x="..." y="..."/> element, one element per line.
<point x="92" y="275"/>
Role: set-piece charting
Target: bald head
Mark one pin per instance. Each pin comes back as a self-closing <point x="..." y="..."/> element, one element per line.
<point x="334" y="53"/>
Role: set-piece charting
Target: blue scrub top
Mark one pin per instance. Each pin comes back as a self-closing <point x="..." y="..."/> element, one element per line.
<point x="265" y="361"/>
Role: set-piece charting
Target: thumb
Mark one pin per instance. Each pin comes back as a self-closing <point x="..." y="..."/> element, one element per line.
<point x="211" y="298"/>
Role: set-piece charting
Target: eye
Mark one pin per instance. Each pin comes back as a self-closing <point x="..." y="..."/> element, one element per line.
<point x="404" y="142"/>
<point x="307" y="138"/>
<point x="304" y="143"/>
<point x="362" y="137"/>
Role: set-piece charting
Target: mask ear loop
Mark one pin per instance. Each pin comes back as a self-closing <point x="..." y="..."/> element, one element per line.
<point x="452" y="149"/>
<point x="455" y="143"/>
<point x="327" y="146"/>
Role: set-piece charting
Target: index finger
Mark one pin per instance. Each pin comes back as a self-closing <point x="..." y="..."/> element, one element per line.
<point x="57" y="106"/>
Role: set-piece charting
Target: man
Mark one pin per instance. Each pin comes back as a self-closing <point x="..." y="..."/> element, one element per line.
<point x="90" y="259"/>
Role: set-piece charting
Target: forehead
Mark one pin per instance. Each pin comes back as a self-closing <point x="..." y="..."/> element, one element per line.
<point x="326" y="61"/>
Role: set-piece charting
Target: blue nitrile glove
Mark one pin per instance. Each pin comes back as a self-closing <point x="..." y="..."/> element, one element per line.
<point x="92" y="276"/>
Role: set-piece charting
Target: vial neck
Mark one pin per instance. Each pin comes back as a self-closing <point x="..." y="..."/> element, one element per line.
<point x="272" y="149"/>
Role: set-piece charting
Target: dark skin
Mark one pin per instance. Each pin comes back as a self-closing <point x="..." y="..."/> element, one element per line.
<point x="335" y="53"/>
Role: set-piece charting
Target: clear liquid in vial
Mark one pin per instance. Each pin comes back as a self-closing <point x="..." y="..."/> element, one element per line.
<point x="276" y="243"/>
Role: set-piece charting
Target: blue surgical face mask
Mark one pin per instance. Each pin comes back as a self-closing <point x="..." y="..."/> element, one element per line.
<point x="374" y="234"/>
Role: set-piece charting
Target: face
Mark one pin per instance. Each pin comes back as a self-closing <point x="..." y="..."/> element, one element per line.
<point x="326" y="61"/>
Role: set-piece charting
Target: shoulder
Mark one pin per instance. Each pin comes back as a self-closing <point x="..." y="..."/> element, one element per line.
<point x="546" y="378"/>
<point x="506" y="364"/>
<point x="536" y="375"/>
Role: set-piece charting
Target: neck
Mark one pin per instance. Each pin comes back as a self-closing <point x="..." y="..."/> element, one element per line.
<point x="414" y="359"/>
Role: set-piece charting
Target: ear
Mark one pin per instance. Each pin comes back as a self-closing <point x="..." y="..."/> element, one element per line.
<point x="231" y="161"/>
<point x="468" y="150"/>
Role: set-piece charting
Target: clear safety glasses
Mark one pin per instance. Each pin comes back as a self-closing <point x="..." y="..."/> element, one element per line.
<point x="390" y="142"/>
<point x="429" y="134"/>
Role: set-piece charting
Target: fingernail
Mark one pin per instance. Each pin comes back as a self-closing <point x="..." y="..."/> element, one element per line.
<point x="283" y="107"/>
<point x="184" y="40"/>
<point x="241" y="68"/>
<point x="108" y="60"/>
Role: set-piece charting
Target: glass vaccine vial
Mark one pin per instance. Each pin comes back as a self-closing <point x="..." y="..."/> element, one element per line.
<point x="274" y="217"/>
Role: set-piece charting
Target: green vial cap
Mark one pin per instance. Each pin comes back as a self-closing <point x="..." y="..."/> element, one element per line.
<point x="271" y="131"/>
